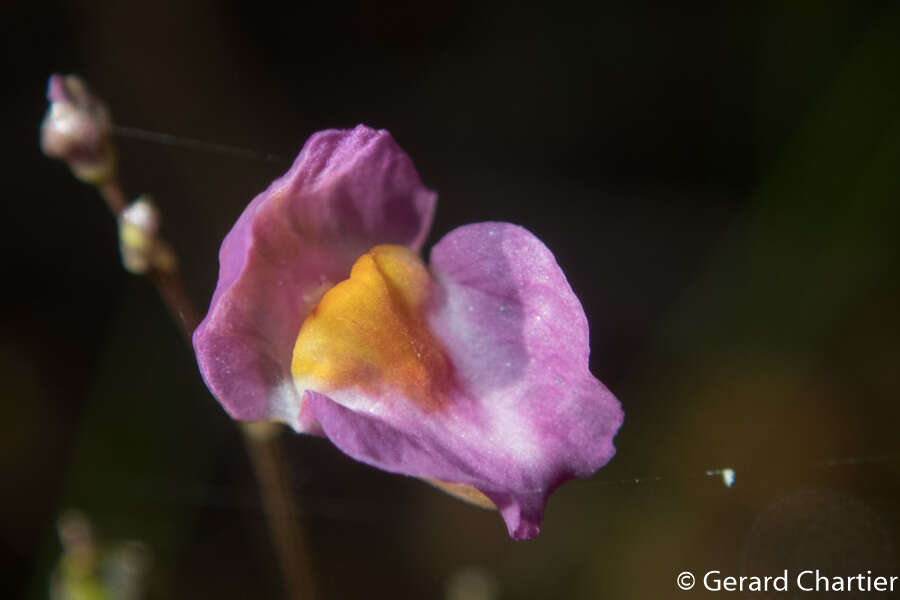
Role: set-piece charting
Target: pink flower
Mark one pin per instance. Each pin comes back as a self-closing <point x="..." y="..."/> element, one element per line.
<point x="471" y="373"/>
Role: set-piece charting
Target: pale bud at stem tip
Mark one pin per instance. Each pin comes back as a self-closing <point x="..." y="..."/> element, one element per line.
<point x="77" y="129"/>
<point x="142" y="250"/>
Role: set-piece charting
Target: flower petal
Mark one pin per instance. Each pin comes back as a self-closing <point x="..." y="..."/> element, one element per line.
<point x="475" y="374"/>
<point x="347" y="191"/>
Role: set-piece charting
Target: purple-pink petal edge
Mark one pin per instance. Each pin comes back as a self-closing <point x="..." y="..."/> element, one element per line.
<point x="346" y="192"/>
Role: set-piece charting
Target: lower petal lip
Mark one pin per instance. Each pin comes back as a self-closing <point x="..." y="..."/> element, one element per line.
<point x="519" y="411"/>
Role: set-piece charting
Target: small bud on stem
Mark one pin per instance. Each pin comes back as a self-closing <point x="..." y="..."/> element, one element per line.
<point x="142" y="250"/>
<point x="77" y="129"/>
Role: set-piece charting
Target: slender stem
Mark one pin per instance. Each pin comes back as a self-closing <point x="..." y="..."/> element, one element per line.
<point x="262" y="440"/>
<point x="114" y="196"/>
<point x="172" y="292"/>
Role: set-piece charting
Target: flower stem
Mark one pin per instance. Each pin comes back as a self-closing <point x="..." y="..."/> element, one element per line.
<point x="114" y="196"/>
<point x="262" y="440"/>
<point x="172" y="292"/>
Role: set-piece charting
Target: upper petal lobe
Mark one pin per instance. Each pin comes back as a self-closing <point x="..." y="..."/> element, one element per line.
<point x="347" y="191"/>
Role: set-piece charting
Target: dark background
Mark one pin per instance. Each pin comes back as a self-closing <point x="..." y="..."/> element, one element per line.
<point x="720" y="185"/>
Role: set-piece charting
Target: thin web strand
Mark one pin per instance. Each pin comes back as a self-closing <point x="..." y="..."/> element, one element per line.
<point x="168" y="139"/>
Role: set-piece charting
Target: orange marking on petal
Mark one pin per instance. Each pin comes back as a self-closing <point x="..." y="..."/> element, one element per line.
<point x="464" y="492"/>
<point x="369" y="332"/>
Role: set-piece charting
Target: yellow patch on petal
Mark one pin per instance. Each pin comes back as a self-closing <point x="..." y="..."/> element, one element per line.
<point x="466" y="493"/>
<point x="369" y="332"/>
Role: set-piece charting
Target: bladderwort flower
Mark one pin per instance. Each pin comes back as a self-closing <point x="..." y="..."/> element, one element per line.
<point x="471" y="372"/>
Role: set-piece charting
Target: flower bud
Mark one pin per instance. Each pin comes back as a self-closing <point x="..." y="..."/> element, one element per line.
<point x="141" y="249"/>
<point x="77" y="129"/>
